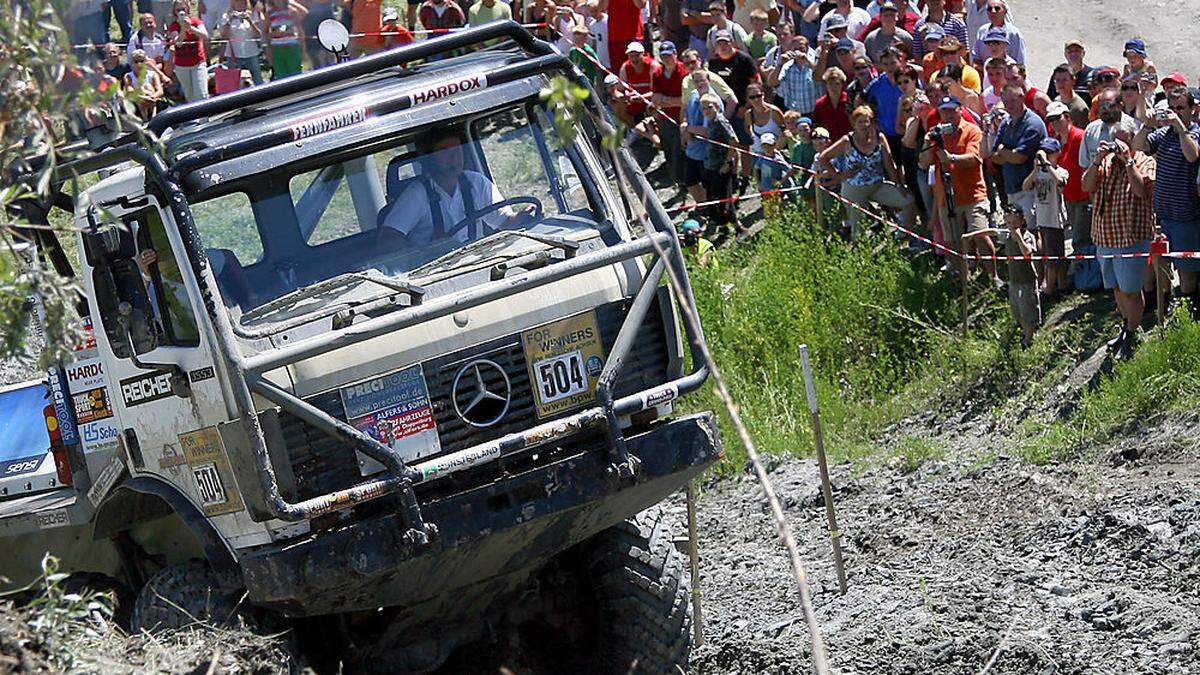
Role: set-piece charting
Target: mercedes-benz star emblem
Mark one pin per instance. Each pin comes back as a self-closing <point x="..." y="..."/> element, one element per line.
<point x="479" y="399"/>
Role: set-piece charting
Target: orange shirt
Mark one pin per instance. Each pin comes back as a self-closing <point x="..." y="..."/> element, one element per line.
<point x="969" y="187"/>
<point x="365" y="17"/>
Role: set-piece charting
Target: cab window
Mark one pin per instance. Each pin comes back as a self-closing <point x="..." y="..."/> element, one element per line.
<point x="164" y="281"/>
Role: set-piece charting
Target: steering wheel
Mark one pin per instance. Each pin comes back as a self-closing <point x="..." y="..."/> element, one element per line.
<point x="479" y="213"/>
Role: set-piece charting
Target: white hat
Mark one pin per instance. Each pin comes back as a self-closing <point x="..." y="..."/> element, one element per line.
<point x="1057" y="108"/>
<point x="767" y="138"/>
<point x="635" y="48"/>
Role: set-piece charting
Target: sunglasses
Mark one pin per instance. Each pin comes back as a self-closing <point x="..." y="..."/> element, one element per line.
<point x="995" y="10"/>
<point x="862" y="67"/>
<point x="1106" y="78"/>
<point x="754" y="96"/>
<point x="1129" y="87"/>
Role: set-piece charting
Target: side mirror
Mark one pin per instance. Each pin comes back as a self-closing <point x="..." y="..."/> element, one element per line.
<point x="124" y="305"/>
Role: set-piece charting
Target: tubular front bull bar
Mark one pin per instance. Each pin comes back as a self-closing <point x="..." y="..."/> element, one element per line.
<point x="235" y="367"/>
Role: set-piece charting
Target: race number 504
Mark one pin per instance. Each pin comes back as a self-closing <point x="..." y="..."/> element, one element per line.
<point x="561" y="376"/>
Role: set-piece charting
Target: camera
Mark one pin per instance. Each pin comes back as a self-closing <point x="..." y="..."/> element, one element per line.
<point x="1162" y="114"/>
<point x="1106" y="146"/>
<point x="940" y="131"/>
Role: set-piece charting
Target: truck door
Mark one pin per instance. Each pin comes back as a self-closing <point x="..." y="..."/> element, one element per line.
<point x="166" y="395"/>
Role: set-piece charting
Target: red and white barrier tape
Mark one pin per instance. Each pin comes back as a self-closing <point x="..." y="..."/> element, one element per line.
<point x="413" y="33"/>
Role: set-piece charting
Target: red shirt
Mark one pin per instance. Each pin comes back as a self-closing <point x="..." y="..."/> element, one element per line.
<point x="1069" y="159"/>
<point x="670" y="84"/>
<point x="189" y="50"/>
<point x="624" y="21"/>
<point x="833" y="115"/>
<point x="641" y="81"/>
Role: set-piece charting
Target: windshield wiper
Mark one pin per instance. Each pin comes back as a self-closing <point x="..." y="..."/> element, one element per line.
<point x="413" y="291"/>
<point x="431" y="268"/>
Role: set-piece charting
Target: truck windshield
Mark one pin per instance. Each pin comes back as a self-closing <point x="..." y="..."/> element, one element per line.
<point x="394" y="211"/>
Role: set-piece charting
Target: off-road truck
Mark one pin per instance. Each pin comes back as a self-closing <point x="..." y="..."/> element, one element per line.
<point x="379" y="347"/>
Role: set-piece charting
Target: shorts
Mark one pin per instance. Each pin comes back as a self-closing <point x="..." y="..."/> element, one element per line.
<point x="1079" y="219"/>
<point x="1024" y="304"/>
<point x="1184" y="235"/>
<point x="1127" y="275"/>
<point x="967" y="218"/>
<point x="1054" y="242"/>
<point x="693" y="172"/>
<point x="1024" y="200"/>
<point x="285" y="61"/>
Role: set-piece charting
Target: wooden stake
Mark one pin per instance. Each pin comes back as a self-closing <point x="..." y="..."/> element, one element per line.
<point x="694" y="554"/>
<point x="1160" y="291"/>
<point x="819" y="207"/>
<point x="835" y="535"/>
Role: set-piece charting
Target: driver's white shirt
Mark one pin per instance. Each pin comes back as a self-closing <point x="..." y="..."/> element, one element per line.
<point x="413" y="217"/>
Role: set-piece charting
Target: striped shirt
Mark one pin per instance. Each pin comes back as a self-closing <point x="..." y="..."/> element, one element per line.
<point x="1175" y="183"/>
<point x="951" y="24"/>
<point x="1119" y="218"/>
<point x="797" y="87"/>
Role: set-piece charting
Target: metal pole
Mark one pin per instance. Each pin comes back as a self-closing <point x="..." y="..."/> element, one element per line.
<point x="1160" y="290"/>
<point x="835" y="535"/>
<point x="963" y="270"/>
<point x="694" y="554"/>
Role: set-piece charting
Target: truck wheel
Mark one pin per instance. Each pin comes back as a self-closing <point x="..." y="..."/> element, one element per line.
<point x="180" y="595"/>
<point x="641" y="592"/>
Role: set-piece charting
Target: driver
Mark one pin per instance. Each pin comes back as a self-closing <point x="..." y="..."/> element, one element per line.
<point x="435" y="207"/>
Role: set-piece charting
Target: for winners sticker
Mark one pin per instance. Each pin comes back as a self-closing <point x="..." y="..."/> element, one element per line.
<point x="564" y="360"/>
<point x="212" y="478"/>
<point x="394" y="410"/>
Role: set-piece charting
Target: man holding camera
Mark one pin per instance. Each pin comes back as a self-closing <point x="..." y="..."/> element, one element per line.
<point x="954" y="148"/>
<point x="1175" y="144"/>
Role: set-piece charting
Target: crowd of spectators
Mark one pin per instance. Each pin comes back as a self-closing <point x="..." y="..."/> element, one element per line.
<point x="919" y="110"/>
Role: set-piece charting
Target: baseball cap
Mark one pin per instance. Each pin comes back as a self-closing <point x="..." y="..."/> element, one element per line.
<point x="934" y="32"/>
<point x="888" y="6"/>
<point x="1076" y="42"/>
<point x="723" y="35"/>
<point x="996" y="35"/>
<point x="1056" y="108"/>
<point x="845" y="45"/>
<point x="836" y="21"/>
<point x="804" y="120"/>
<point x="611" y="80"/>
<point x="768" y="138"/>
<point x="390" y="14"/>
<point x="635" y="47"/>
<point x="666" y="47"/>
<point x="1137" y="46"/>
<point x="1105" y="71"/>
<point x="580" y="28"/>
<point x="691" y="225"/>
<point x="947" y="102"/>
<point x="820" y="132"/>
<point x="1051" y="144"/>
<point x="1176" y="77"/>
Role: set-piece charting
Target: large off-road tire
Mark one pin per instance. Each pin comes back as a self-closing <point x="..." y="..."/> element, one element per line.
<point x="641" y="591"/>
<point x="183" y="594"/>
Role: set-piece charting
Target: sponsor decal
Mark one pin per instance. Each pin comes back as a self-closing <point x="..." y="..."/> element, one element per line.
<point x="49" y="519"/>
<point x="16" y="467"/>
<point x="171" y="459"/>
<point x="62" y="410"/>
<point x="564" y="359"/>
<point x="92" y="405"/>
<point x="326" y="123"/>
<point x="146" y="388"/>
<point x="204" y="453"/>
<point x="660" y="396"/>
<point x="201" y="374"/>
<point x="105" y="481"/>
<point x="89" y="335"/>
<point x="460" y="460"/>
<point x="394" y="410"/>
<point x="449" y="87"/>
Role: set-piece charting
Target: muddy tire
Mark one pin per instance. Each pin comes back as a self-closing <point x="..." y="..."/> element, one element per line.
<point x="183" y="594"/>
<point x="641" y="593"/>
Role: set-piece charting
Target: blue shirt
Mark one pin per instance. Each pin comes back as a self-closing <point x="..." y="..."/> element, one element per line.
<point x="1175" y="180"/>
<point x="885" y="96"/>
<point x="1024" y="135"/>
<point x="694" y="114"/>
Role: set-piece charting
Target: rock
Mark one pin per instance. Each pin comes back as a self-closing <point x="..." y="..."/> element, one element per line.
<point x="1176" y="648"/>
<point x="1059" y="590"/>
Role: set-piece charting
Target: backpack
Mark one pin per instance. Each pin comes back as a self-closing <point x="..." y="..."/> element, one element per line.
<point x="1086" y="273"/>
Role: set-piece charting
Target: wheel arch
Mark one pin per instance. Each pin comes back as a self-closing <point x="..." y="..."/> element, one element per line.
<point x="134" y="498"/>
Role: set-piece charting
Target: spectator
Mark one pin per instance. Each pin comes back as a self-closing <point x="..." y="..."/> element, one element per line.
<point x="884" y="94"/>
<point x="837" y="31"/>
<point x="210" y="12"/>
<point x="1170" y="83"/>
<point x="719" y="162"/>
<point x="801" y="153"/>
<point x="391" y="31"/>
<point x="773" y="166"/>
<point x="624" y="26"/>
<point x="310" y="14"/>
<point x="443" y="15"/>
<point x="956" y="149"/>
<point x="692" y="63"/>
<point x="113" y="66"/>
<point x="1104" y="78"/>
<point x="666" y="94"/>
<point x="638" y="72"/>
<point x="698" y="20"/>
<point x="999" y="24"/>
<point x="722" y="25"/>
<point x="693" y="134"/>
<point x="148" y="39"/>
<point x="1023" y="302"/>
<point x="951" y="53"/>
<point x="863" y="76"/>
<point x="284" y="21"/>
<point x="761" y="117"/>
<point x="1034" y="99"/>
<point x="809" y="28"/>
<point x="1131" y="97"/>
<point x="597" y="23"/>
<point x="760" y="40"/>
<point x="950" y="77"/>
<point x="1074" y="52"/>
<point x="366" y="23"/>
<point x="188" y="36"/>
<point x="1108" y="107"/>
<point x="695" y="244"/>
<point x="870" y="174"/>
<point x="1017" y="144"/>
<point x="856" y="19"/>
<point x="1075" y="200"/>
<point x="888" y="33"/>
<point x="565" y="19"/>
<point x="1046" y="183"/>
<point x="783" y="43"/>
<point x="937" y="20"/>
<point x="832" y="110"/>
<point x="1136" y="62"/>
<point x="996" y="74"/>
<point x="143" y="84"/>
<point x="1175" y="144"/>
<point x="738" y="70"/>
<point x="792" y="78"/>
<point x="822" y="177"/>
<point x="1121" y="180"/>
<point x="840" y="52"/>
<point x="239" y="27"/>
<point x="1063" y="84"/>
<point x="582" y="54"/>
<point x="994" y="45"/>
